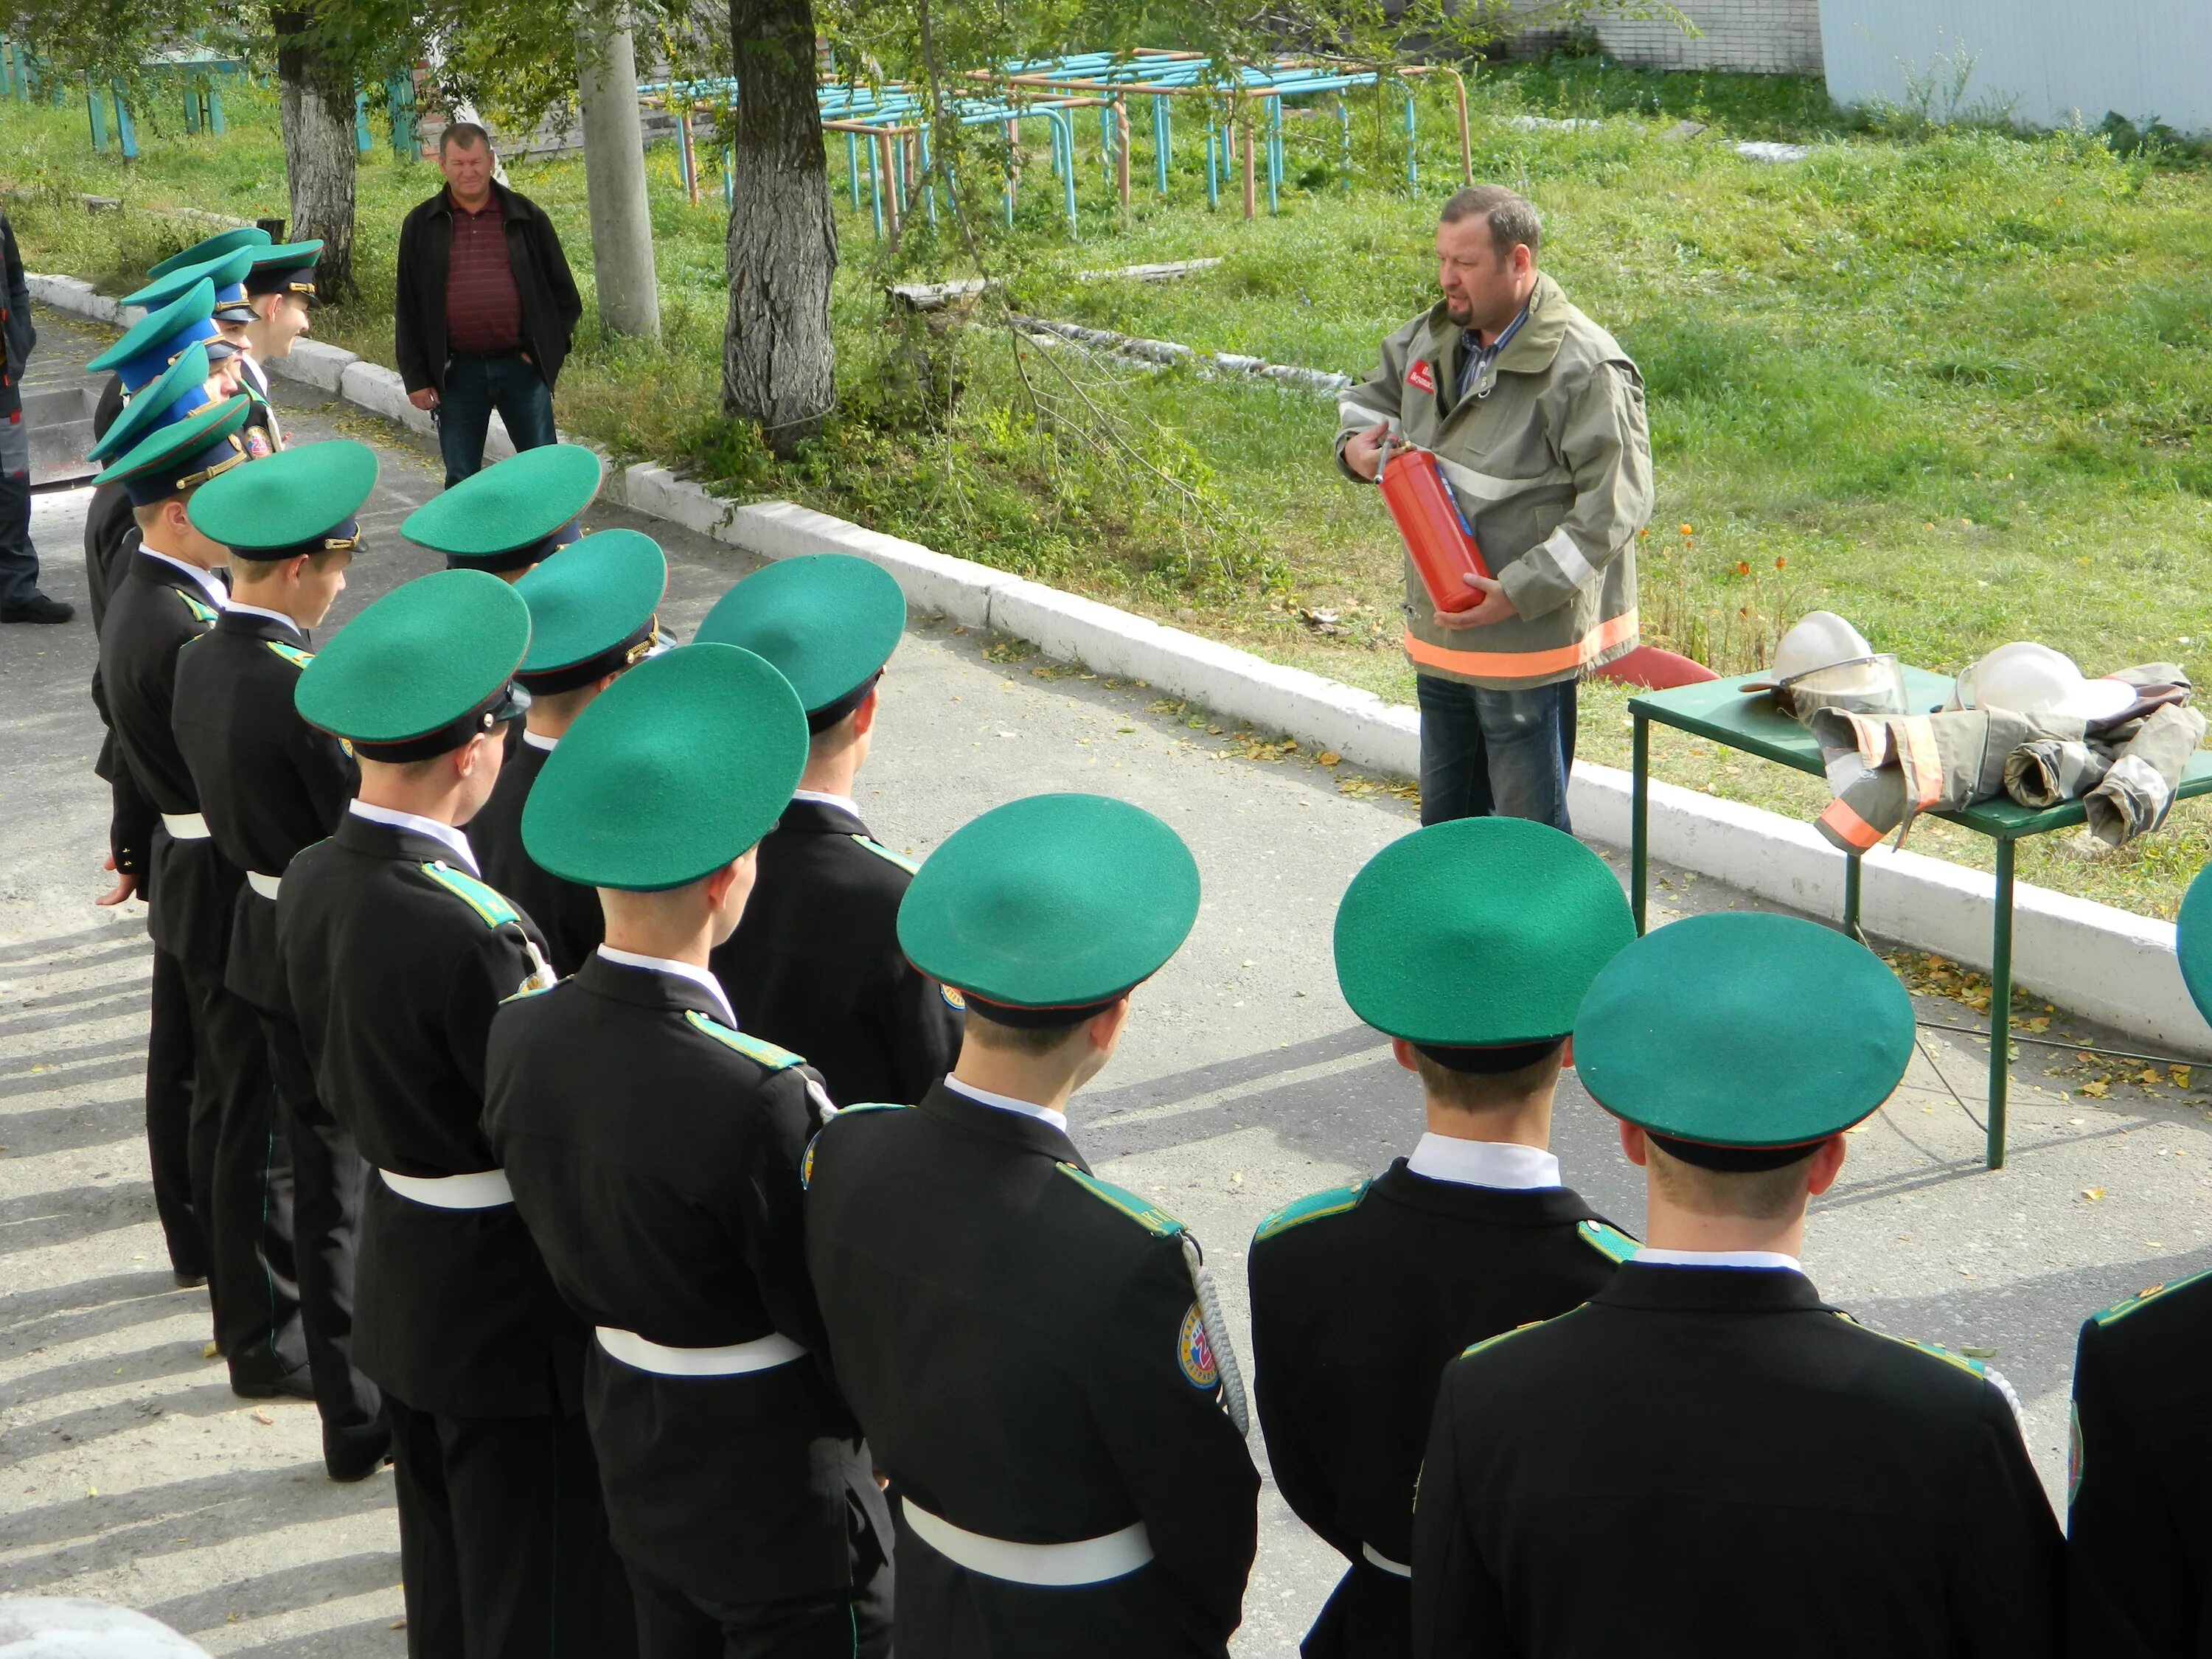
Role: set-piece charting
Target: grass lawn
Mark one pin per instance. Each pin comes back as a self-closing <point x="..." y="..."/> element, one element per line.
<point x="1949" y="384"/>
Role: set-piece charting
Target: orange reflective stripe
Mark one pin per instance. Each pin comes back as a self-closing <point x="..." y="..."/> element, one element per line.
<point x="1523" y="664"/>
<point x="1922" y="763"/>
<point x="1839" y="817"/>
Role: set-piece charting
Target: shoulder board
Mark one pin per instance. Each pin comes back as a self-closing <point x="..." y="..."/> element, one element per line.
<point x="1933" y="1350"/>
<point x="201" y="609"/>
<point x="869" y="1106"/>
<point x="1335" y="1202"/>
<point x="752" y="1048"/>
<point x="291" y="654"/>
<point x="1504" y="1336"/>
<point x="1152" y="1218"/>
<point x="1615" y="1245"/>
<point x="886" y="855"/>
<point x="527" y="990"/>
<point x="2122" y="1308"/>
<point x="486" y="901"/>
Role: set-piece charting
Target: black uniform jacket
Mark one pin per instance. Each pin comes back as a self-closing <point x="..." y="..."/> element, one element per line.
<point x="816" y="965"/>
<point x="1020" y="1344"/>
<point x="1712" y="1462"/>
<point x="2139" y="1530"/>
<point x="396" y="962"/>
<point x="1360" y="1298"/>
<point x="154" y="615"/>
<point x="654" y="1153"/>
<point x="269" y="783"/>
<point x="569" y="914"/>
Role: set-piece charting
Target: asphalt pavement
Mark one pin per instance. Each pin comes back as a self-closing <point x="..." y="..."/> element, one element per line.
<point x="129" y="1471"/>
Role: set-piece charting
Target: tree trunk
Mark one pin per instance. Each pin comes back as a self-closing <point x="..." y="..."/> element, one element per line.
<point x="778" y="364"/>
<point x="614" y="177"/>
<point x="317" y="106"/>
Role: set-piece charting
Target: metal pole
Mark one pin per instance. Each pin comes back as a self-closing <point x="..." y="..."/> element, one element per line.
<point x="1412" y="171"/>
<point x="689" y="160"/>
<point x="2000" y="1008"/>
<point x="1251" y="199"/>
<point x="1212" y="184"/>
<point x="1013" y="165"/>
<point x="362" y="143"/>
<point x="1639" y="811"/>
<point x="929" y="183"/>
<point x="1852" y="872"/>
<point x="192" y="107"/>
<point x="1275" y="156"/>
<point x="214" y="110"/>
<point x="126" y="134"/>
<point x="853" y="167"/>
<point x="1121" y="114"/>
<point x="1160" y="143"/>
<point x="887" y="167"/>
<point x="1344" y="143"/>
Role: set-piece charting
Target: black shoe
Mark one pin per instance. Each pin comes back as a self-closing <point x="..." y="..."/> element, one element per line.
<point x="294" y="1385"/>
<point x="355" y="1460"/>
<point x="37" y="609"/>
<point x="188" y="1281"/>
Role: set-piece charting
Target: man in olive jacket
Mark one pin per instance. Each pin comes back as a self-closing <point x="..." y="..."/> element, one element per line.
<point x="484" y="308"/>
<point x="1535" y="416"/>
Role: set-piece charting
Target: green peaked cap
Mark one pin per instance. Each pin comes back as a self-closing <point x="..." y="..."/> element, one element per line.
<point x="183" y="385"/>
<point x="675" y="769"/>
<point x="202" y="445"/>
<point x="828" y="620"/>
<point x="1742" y="1029"/>
<point x="1478" y="932"/>
<point x="593" y="596"/>
<point x="424" y="656"/>
<point x="285" y="503"/>
<point x="287" y="256"/>
<point x="1054" y="902"/>
<point x="510" y="507"/>
<point x="215" y="247"/>
<point x="224" y="271"/>
<point x="2192" y="941"/>
<point x="195" y="305"/>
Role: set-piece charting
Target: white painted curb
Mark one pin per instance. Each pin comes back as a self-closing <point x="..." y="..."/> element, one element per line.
<point x="2104" y="964"/>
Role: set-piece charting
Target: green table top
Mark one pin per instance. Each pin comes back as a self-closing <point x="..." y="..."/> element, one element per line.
<point x="1721" y="710"/>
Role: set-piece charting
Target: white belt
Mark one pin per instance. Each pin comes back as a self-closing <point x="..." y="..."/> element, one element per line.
<point x="483" y="1189"/>
<point x="764" y="1354"/>
<point x="265" y="885"/>
<point x="185" y="826"/>
<point x="1376" y="1559"/>
<point x="1054" y="1567"/>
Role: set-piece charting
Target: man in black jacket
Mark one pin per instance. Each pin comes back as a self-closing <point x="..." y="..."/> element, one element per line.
<point x="485" y="306"/>
<point x="1706" y="1458"/>
<point x="1361" y="1295"/>
<point x="20" y="601"/>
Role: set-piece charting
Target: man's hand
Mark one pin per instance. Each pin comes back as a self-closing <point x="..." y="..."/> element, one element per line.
<point x="1495" y="606"/>
<point x="1363" y="450"/>
<point x="125" y="885"/>
<point x="426" y="398"/>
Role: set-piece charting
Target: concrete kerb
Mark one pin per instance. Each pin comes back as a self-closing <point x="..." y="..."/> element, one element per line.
<point x="2100" y="963"/>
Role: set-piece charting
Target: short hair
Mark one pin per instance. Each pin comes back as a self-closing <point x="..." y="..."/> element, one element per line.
<point x="466" y="134"/>
<point x="1477" y="1091"/>
<point x="246" y="567"/>
<point x="1513" y="222"/>
<point x="1035" y="1041"/>
<point x="147" y="515"/>
<point x="1741" y="1195"/>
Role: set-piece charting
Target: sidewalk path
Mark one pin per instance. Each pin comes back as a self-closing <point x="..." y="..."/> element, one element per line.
<point x="129" y="1471"/>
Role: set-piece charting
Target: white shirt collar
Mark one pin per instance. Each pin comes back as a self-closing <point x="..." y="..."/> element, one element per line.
<point x="450" y="837"/>
<point x="1484" y="1162"/>
<point x="245" y="609"/>
<point x="843" y="803"/>
<point x="1647" y="1256"/>
<point x="539" y="740"/>
<point x="684" y="970"/>
<point x="1008" y="1103"/>
<point x="209" y="583"/>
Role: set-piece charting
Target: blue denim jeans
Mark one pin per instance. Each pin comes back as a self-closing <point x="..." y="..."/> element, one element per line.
<point x="474" y="387"/>
<point x="1503" y="754"/>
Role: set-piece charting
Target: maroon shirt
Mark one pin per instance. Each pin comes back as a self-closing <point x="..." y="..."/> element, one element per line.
<point x="483" y="313"/>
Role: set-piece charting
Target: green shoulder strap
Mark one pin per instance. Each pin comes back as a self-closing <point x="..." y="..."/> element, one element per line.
<point x="486" y="901"/>
<point x="202" y="613"/>
<point x="291" y="654"/>
<point x="752" y="1048"/>
<point x="1615" y="1245"/>
<point x="527" y="990"/>
<point x="1933" y="1350"/>
<point x="2143" y="1297"/>
<point x="1507" y="1336"/>
<point x="1149" y="1216"/>
<point x="886" y="855"/>
<point x="1312" y="1207"/>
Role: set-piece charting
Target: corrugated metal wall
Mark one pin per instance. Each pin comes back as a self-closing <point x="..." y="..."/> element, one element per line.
<point x="2052" y="61"/>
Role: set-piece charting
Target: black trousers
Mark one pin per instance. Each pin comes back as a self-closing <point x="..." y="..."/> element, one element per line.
<point x="327" y="1172"/>
<point x="503" y="1548"/>
<point x="169" y="1068"/>
<point x="672" y="1624"/>
<point x="242" y="1188"/>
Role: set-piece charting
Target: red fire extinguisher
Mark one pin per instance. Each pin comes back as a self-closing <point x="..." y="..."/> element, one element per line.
<point x="1434" y="529"/>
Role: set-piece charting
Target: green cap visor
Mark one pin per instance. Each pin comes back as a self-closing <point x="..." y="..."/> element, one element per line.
<point x="215" y="247"/>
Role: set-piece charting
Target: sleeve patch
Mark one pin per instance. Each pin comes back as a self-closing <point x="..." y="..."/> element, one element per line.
<point x="2145" y="1296"/>
<point x="1149" y="1216"/>
<point x="1312" y="1207"/>
<point x="953" y="999"/>
<point x="886" y="855"/>
<point x="486" y="901"/>
<point x="1194" y="1352"/>
<point x="1609" y="1242"/>
<point x="752" y="1048"/>
<point x="291" y="654"/>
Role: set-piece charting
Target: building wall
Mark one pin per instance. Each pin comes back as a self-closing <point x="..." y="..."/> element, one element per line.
<point x="1767" y="37"/>
<point x="2051" y="62"/>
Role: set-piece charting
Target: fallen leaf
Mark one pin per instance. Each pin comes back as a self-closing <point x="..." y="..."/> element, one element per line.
<point x="210" y="1352"/>
<point x="2093" y="1194"/>
<point x="263" y="1418"/>
<point x="1330" y="757"/>
<point x="2097" y="1088"/>
<point x="2180" y="1076"/>
<point x="1979" y="1353"/>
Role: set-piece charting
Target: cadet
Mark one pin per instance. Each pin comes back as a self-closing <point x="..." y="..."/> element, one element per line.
<point x="1036" y="1356"/>
<point x="2139" y="1513"/>
<point x="1471" y="943"/>
<point x="593" y="613"/>
<point x="150" y="347"/>
<point x="271" y="784"/>
<point x="816" y="963"/>
<point x="239" y="1194"/>
<point x="738" y="1491"/>
<point x="396" y="957"/>
<point x="1706" y="1458"/>
<point x="512" y="515"/>
<point x="279" y="293"/>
